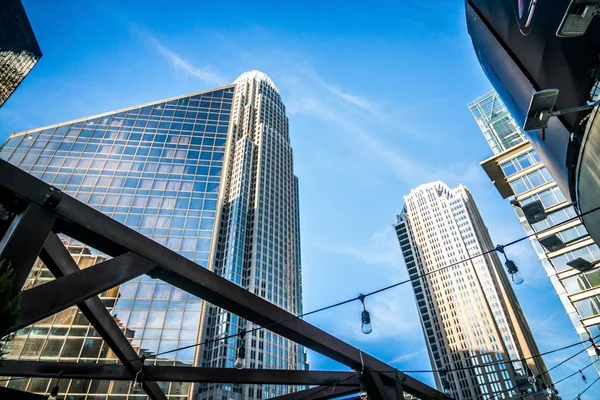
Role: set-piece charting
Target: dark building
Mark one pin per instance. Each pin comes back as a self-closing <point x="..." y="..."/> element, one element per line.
<point x="525" y="47"/>
<point x="19" y="50"/>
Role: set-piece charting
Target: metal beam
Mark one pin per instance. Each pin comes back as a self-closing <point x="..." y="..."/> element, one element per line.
<point x="118" y="372"/>
<point x="109" y="236"/>
<point x="23" y="241"/>
<point x="375" y="386"/>
<point x="320" y="393"/>
<point x="13" y="394"/>
<point x="48" y="299"/>
<point x="60" y="263"/>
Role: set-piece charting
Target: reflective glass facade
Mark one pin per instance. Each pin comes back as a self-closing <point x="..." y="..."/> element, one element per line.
<point x="528" y="180"/>
<point x="19" y="50"/>
<point x="469" y="313"/>
<point x="499" y="128"/>
<point x="208" y="175"/>
<point x="577" y="290"/>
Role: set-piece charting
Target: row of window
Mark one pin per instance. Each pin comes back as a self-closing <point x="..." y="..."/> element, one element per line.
<point x="530" y="181"/>
<point x="520" y="163"/>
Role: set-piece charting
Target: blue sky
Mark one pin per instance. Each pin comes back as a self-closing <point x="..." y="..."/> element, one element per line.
<point x="377" y="100"/>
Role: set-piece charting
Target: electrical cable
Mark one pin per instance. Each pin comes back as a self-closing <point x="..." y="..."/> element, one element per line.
<point x="333" y="385"/>
<point x="266" y="326"/>
<point x="563" y="379"/>
<point x="495" y="362"/>
<point x="578" y="397"/>
<point x="544" y="373"/>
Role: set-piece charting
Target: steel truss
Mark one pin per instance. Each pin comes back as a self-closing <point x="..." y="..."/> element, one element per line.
<point x="39" y="212"/>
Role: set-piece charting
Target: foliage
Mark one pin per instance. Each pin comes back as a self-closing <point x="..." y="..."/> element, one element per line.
<point x="9" y="304"/>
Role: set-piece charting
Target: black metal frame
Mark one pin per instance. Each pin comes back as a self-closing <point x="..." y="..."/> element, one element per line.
<point x="44" y="212"/>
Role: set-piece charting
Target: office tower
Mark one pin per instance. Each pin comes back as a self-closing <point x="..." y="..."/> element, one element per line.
<point x="524" y="48"/>
<point x="474" y="327"/>
<point x="560" y="238"/>
<point x="19" y="50"/>
<point x="210" y="176"/>
<point x="499" y="128"/>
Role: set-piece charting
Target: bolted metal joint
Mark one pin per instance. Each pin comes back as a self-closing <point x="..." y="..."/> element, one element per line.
<point x="52" y="198"/>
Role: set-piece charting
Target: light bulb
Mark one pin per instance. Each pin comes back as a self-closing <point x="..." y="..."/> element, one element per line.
<point x="53" y="393"/>
<point x="137" y="387"/>
<point x="363" y="395"/>
<point x="240" y="359"/>
<point x="239" y="363"/>
<point x="514" y="272"/>
<point x="366" y="327"/>
<point x="517" y="278"/>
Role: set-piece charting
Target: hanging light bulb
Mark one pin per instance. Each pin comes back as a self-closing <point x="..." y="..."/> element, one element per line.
<point x="54" y="393"/>
<point x="138" y="383"/>
<point x="583" y="378"/>
<point x="445" y="383"/>
<point x="55" y="388"/>
<point x="240" y="359"/>
<point x="365" y="317"/>
<point x="511" y="268"/>
<point x="363" y="389"/>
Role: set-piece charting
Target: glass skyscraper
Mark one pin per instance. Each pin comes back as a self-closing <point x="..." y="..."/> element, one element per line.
<point x="210" y="176"/>
<point x="498" y="126"/>
<point x="469" y="313"/>
<point x="519" y="174"/>
<point x="19" y="50"/>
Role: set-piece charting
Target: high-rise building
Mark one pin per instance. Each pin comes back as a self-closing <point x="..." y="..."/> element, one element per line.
<point x="473" y="324"/>
<point x="19" y="50"/>
<point x="210" y="176"/>
<point x="499" y="128"/>
<point x="558" y="239"/>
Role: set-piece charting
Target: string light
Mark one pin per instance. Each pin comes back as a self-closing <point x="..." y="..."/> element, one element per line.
<point x="363" y="389"/>
<point x="511" y="267"/>
<point x="240" y="359"/>
<point x="583" y="378"/>
<point x="55" y="388"/>
<point x="138" y="383"/>
<point x="445" y="383"/>
<point x="365" y="317"/>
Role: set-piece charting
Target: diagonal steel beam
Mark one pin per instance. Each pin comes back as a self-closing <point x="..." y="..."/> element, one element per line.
<point x="48" y="299"/>
<point x="111" y="237"/>
<point x="320" y="393"/>
<point x="23" y="241"/>
<point x="375" y="386"/>
<point x="58" y="260"/>
<point x="13" y="394"/>
<point x="118" y="372"/>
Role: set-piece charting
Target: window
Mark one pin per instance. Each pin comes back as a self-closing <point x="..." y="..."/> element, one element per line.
<point x="588" y="307"/>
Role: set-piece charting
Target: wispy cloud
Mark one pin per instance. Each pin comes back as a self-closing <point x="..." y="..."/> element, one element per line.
<point x="406" y="357"/>
<point x="381" y="248"/>
<point x="207" y="74"/>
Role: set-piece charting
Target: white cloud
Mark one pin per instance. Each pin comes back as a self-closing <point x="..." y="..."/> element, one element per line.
<point x="368" y="133"/>
<point x="381" y="248"/>
<point x="206" y="74"/>
<point x="406" y="357"/>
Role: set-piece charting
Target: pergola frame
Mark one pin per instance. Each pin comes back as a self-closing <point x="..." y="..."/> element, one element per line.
<point x="42" y="212"/>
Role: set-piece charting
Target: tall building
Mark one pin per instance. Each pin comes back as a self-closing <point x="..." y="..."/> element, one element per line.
<point x="499" y="128"/>
<point x="209" y="175"/>
<point x="519" y="175"/>
<point x="19" y="50"/>
<point x="473" y="325"/>
<point x="524" y="47"/>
